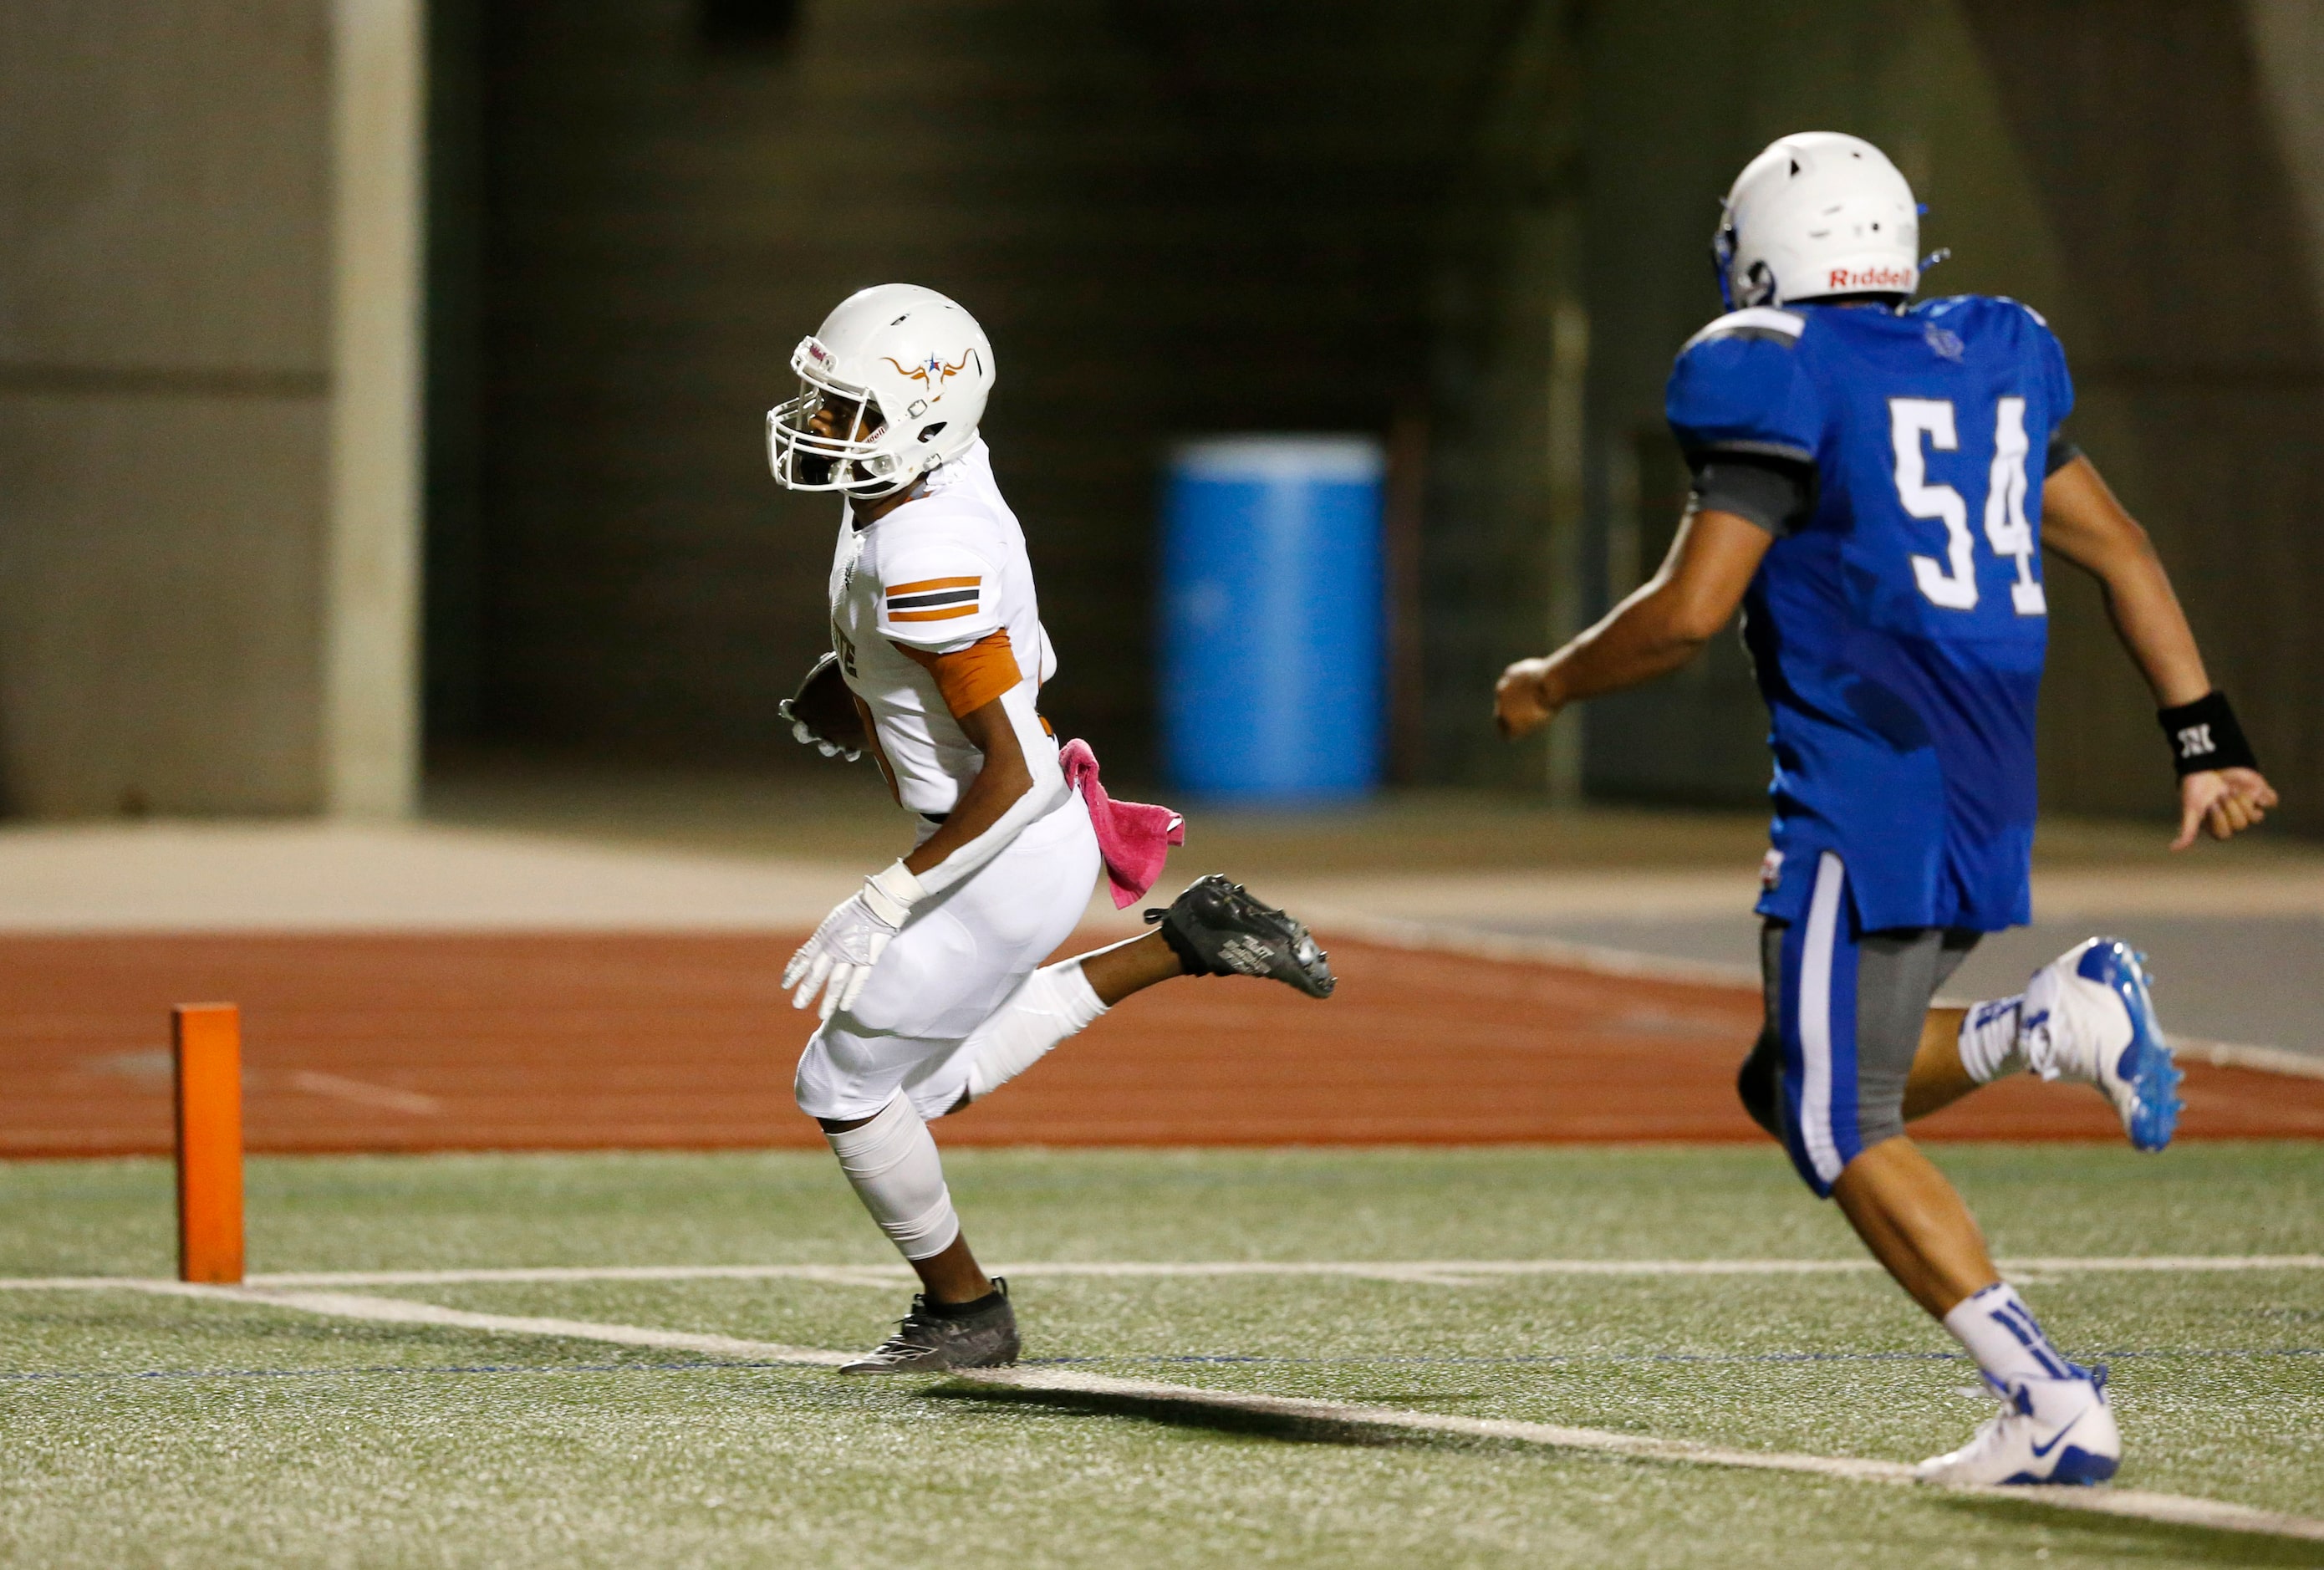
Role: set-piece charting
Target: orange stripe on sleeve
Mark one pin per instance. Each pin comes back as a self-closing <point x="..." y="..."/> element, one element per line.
<point x="949" y="613"/>
<point x="973" y="677"/>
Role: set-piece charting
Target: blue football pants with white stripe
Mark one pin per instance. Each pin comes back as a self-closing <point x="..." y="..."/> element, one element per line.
<point x="1844" y="1015"/>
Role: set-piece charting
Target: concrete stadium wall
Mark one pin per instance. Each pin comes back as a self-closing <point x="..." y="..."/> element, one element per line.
<point x="164" y="318"/>
<point x="183" y="624"/>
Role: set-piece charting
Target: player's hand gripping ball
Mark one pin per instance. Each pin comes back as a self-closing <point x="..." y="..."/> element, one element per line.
<point x="822" y="713"/>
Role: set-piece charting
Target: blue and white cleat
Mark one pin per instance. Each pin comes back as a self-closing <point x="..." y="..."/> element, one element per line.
<point x="2054" y="1431"/>
<point x="2089" y="1017"/>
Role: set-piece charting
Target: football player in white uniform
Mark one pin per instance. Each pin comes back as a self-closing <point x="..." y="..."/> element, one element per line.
<point x="930" y="977"/>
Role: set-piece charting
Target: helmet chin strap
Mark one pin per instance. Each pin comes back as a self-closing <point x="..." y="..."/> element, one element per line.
<point x="918" y="478"/>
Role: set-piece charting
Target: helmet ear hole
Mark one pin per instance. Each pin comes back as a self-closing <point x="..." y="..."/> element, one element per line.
<point x="1818" y="214"/>
<point x="935" y="428"/>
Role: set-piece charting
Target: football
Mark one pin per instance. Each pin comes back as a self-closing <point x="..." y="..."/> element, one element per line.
<point x="822" y="713"/>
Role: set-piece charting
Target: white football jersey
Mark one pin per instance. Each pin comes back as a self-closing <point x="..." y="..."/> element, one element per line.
<point x="943" y="572"/>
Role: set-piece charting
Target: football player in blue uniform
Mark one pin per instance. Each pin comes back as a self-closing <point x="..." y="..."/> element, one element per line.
<point x="1875" y="482"/>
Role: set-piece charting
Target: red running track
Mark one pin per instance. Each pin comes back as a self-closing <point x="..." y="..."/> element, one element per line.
<point x="562" y="1043"/>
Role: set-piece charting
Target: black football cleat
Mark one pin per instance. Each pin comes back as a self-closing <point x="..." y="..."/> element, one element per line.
<point x="1216" y="928"/>
<point x="930" y="1340"/>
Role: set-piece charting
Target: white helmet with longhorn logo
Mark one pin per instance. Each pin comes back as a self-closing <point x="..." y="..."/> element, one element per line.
<point x="903" y="370"/>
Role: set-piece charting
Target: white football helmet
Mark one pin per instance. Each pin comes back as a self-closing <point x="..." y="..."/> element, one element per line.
<point x="1817" y="214"/>
<point x="905" y="372"/>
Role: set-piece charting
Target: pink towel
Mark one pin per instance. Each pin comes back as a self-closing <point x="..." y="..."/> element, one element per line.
<point x="1134" y="838"/>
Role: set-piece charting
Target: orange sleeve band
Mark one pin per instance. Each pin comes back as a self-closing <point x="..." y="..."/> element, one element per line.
<point x="974" y="675"/>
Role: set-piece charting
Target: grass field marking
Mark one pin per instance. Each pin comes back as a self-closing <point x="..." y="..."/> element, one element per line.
<point x="2173" y="1510"/>
<point x="866" y="1275"/>
<point x="2170" y="1508"/>
<point x="404" y="1311"/>
<point x="2167" y="1263"/>
<point x="1423" y="1272"/>
<point x="1426" y="1272"/>
<point x="83" y="1283"/>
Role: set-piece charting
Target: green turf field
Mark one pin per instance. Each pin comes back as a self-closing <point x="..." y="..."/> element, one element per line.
<point x="144" y="1430"/>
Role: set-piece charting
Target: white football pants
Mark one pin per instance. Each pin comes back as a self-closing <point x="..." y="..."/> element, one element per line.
<point x="956" y="962"/>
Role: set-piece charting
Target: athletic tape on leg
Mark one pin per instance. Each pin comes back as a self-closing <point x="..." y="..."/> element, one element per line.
<point x="892" y="1163"/>
<point x="1049" y="1005"/>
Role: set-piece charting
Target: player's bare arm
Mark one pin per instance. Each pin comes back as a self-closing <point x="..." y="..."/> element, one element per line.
<point x="1661" y="625"/>
<point x="2082" y="521"/>
<point x="1001" y="782"/>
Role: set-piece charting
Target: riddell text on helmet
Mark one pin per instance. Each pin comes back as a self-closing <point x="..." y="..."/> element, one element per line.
<point x="1870" y="278"/>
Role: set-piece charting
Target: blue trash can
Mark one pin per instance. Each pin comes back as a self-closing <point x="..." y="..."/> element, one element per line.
<point x="1271" y="669"/>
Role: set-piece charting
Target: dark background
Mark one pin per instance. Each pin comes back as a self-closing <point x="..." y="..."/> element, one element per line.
<point x="1177" y="220"/>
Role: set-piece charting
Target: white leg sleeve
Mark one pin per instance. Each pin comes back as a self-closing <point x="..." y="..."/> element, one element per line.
<point x="893" y="1164"/>
<point x="1047" y="1006"/>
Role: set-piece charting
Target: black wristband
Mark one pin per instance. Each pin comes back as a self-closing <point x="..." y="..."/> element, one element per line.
<point x="2204" y="735"/>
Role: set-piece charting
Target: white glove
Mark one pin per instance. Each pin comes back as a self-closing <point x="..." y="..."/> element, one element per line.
<point x="805" y="736"/>
<point x="850" y="940"/>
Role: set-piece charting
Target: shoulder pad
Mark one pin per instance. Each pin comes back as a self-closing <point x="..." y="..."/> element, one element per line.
<point x="1758" y="321"/>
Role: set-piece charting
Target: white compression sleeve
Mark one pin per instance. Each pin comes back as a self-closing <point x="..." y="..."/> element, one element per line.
<point x="1047" y="1006"/>
<point x="892" y="1162"/>
<point x="1049" y="792"/>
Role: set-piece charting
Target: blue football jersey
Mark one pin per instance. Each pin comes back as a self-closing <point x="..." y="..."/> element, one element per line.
<point x="1898" y="629"/>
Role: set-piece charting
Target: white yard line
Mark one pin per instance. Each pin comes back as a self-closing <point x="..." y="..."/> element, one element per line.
<point x="2174" y="1510"/>
<point x="403" y="1311"/>
<point x="1427" y="1272"/>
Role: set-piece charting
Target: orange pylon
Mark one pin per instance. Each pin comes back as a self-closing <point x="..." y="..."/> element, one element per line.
<point x="208" y="1039"/>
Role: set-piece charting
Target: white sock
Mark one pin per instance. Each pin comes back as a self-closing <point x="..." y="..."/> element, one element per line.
<point x="893" y="1164"/>
<point x="1047" y="1006"/>
<point x="1992" y="1040"/>
<point x="2002" y="1334"/>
